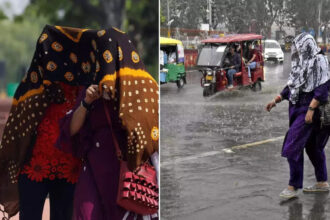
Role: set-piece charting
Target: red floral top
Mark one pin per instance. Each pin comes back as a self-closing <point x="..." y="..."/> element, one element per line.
<point x="47" y="161"/>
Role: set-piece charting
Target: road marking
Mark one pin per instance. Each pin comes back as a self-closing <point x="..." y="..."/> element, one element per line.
<point x="244" y="146"/>
<point x="225" y="150"/>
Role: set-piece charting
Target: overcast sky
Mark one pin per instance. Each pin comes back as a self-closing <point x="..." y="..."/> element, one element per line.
<point x="16" y="7"/>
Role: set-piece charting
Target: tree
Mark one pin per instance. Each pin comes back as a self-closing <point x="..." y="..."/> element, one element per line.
<point x="308" y="14"/>
<point x="91" y="13"/>
<point x="17" y="45"/>
<point x="142" y="25"/>
<point x="185" y="13"/>
<point x="138" y="18"/>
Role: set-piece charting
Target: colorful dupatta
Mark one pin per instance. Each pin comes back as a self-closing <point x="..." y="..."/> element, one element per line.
<point x="80" y="57"/>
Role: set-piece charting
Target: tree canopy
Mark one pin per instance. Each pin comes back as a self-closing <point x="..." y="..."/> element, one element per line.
<point x="248" y="15"/>
<point x="139" y="18"/>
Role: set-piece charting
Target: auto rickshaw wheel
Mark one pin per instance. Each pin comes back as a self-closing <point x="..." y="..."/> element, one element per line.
<point x="180" y="83"/>
<point x="257" y="86"/>
<point x="206" y="91"/>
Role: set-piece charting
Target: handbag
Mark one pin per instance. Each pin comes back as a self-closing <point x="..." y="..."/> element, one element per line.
<point x="325" y="113"/>
<point x="137" y="190"/>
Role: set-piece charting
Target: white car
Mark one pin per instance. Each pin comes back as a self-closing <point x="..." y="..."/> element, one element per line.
<point x="273" y="51"/>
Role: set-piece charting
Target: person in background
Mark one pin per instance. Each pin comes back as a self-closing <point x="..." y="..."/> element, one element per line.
<point x="252" y="59"/>
<point x="306" y="89"/>
<point x="234" y="65"/>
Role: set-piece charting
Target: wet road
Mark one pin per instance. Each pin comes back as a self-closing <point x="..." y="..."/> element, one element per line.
<point x="220" y="157"/>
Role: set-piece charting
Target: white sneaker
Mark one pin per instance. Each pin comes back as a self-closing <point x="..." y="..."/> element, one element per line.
<point x="230" y="87"/>
<point x="317" y="188"/>
<point x="288" y="194"/>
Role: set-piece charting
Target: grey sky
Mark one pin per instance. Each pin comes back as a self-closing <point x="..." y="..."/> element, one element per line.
<point x="13" y="7"/>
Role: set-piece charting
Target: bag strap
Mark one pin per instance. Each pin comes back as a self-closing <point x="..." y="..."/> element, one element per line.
<point x="115" y="141"/>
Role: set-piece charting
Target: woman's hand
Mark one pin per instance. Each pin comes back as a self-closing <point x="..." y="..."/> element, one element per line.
<point x="309" y="116"/>
<point x="270" y="105"/>
<point x="312" y="106"/>
<point x="92" y="93"/>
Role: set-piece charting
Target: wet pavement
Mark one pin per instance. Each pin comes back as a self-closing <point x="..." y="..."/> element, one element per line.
<point x="220" y="156"/>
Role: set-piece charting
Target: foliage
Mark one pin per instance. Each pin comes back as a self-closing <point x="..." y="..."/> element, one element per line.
<point x="18" y="37"/>
<point x="17" y="44"/>
<point x="249" y="15"/>
<point x="185" y="13"/>
<point x="304" y="14"/>
<point x="141" y="24"/>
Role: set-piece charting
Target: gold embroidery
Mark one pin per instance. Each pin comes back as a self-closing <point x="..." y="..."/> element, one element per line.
<point x="69" y="76"/>
<point x="155" y="134"/>
<point x="136" y="73"/>
<point x="78" y="31"/>
<point x="120" y="31"/>
<point x="94" y="44"/>
<point x="57" y="46"/>
<point x="135" y="57"/>
<point x="100" y="33"/>
<point x="51" y="66"/>
<point x="34" y="77"/>
<point x="107" y="56"/>
<point x="73" y="57"/>
<point x="28" y="94"/>
<point x="41" y="71"/>
<point x="86" y="67"/>
<point x="92" y="56"/>
<point x="43" y="37"/>
<point x="120" y="54"/>
<point x="97" y="66"/>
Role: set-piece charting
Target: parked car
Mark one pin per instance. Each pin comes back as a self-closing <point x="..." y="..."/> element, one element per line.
<point x="273" y="51"/>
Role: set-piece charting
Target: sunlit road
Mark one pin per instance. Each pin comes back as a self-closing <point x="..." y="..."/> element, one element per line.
<point x="221" y="156"/>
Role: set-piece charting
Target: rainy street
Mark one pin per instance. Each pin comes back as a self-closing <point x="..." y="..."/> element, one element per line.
<point x="220" y="156"/>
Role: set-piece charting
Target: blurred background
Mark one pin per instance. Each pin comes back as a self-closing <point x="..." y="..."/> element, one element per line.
<point x="21" y="22"/>
<point x="193" y="20"/>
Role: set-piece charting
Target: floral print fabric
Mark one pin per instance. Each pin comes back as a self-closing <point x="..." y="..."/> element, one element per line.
<point x="47" y="161"/>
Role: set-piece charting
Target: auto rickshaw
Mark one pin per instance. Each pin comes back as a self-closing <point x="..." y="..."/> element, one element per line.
<point x="211" y="62"/>
<point x="172" y="67"/>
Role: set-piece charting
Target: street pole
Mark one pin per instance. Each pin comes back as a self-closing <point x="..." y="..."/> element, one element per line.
<point x="168" y="20"/>
<point x="319" y="30"/>
<point x="210" y="12"/>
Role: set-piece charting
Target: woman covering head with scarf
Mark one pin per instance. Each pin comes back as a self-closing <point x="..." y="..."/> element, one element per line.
<point x="306" y="89"/>
<point x="124" y="89"/>
<point x="66" y="63"/>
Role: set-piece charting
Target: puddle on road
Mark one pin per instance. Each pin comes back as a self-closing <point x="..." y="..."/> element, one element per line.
<point x="247" y="181"/>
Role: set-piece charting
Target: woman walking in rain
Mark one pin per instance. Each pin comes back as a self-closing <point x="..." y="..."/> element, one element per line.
<point x="82" y="76"/>
<point x="31" y="167"/>
<point x="306" y="89"/>
<point x="125" y="93"/>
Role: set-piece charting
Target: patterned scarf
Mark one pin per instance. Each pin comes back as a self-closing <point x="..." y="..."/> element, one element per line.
<point x="309" y="68"/>
<point x="79" y="57"/>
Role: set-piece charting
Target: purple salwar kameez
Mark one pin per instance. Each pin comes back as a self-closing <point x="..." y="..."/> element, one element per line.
<point x="96" y="190"/>
<point x="309" y="136"/>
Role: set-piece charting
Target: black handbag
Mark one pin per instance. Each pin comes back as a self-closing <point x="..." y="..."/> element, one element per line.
<point x="325" y="113"/>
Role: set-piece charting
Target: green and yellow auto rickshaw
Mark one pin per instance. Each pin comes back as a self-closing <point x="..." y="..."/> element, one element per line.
<point x="172" y="67"/>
